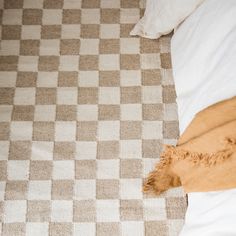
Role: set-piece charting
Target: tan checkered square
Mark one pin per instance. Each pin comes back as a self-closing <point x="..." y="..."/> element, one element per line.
<point x="71" y="16"/>
<point x="52" y="5"/>
<point x="29" y="47"/>
<point x="16" y="190"/>
<point x="60" y="229"/>
<point x="104" y="229"/>
<point x="23" y="113"/>
<point x="43" y="131"/>
<point x="8" y="63"/>
<point x="13" y="4"/>
<point x="13" y="229"/>
<point x="67" y="79"/>
<point x="108" y="150"/>
<point x="32" y="16"/>
<point x="45" y="96"/>
<point x="131" y="210"/>
<point x="38" y="211"/>
<point x="107" y="189"/>
<point x="62" y="189"/>
<point x="26" y="79"/>
<point x="64" y="150"/>
<point x="89" y="62"/>
<point x="89" y="31"/>
<point x="20" y="150"/>
<point x="91" y="4"/>
<point x="85" y="169"/>
<point x="130" y="168"/>
<point x="40" y="170"/>
<point x="51" y="31"/>
<point x="109" y="46"/>
<point x="48" y="63"/>
<point x="84" y="211"/>
<point x="11" y="32"/>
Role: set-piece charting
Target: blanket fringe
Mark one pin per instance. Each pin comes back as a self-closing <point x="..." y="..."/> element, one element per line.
<point x="160" y="180"/>
<point x="207" y="159"/>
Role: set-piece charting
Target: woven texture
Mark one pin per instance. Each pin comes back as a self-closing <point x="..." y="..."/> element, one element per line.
<point x="84" y="111"/>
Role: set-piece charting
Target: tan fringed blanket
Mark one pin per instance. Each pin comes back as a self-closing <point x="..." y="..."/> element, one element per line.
<point x="204" y="158"/>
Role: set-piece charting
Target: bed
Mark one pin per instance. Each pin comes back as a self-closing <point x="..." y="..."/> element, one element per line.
<point x="203" y="52"/>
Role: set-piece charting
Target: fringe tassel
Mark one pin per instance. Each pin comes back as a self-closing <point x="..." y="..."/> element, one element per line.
<point x="160" y="179"/>
<point x="207" y="159"/>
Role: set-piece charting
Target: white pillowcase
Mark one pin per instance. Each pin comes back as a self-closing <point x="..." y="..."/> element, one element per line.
<point x="162" y="16"/>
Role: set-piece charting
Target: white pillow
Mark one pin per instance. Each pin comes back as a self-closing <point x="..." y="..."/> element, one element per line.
<point x="162" y="16"/>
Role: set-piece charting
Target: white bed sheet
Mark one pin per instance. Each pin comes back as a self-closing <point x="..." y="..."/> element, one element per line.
<point x="203" y="53"/>
<point x="211" y="214"/>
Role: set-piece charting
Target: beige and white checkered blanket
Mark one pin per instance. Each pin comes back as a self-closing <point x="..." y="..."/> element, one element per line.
<point x="84" y="111"/>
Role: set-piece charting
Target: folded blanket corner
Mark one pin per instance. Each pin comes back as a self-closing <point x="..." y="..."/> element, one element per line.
<point x="210" y="153"/>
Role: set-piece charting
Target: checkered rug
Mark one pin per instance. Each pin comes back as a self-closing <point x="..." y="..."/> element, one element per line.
<point x="84" y="111"/>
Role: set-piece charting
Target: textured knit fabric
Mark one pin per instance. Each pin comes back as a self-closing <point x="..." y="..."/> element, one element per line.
<point x="205" y="156"/>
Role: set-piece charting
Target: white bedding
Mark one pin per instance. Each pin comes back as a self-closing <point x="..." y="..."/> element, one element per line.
<point x="204" y="67"/>
<point x="203" y="51"/>
<point x="211" y="214"/>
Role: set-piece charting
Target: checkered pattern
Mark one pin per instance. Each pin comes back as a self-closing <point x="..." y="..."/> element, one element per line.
<point x="84" y="111"/>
